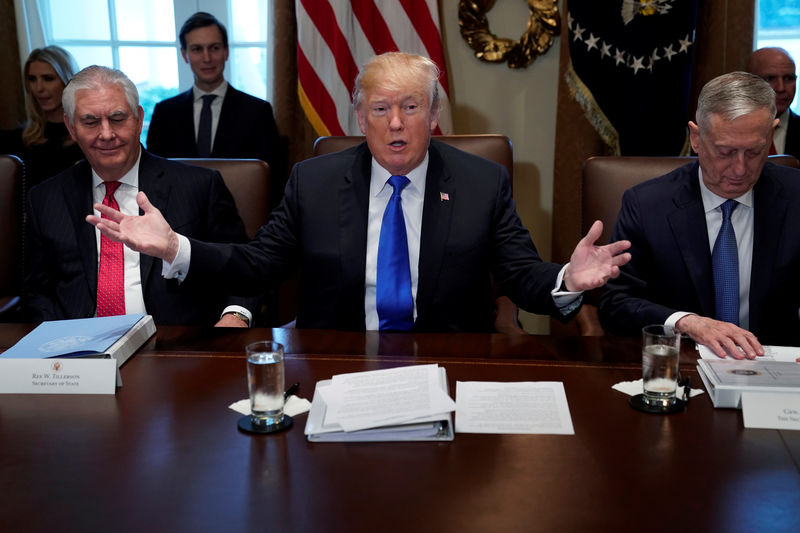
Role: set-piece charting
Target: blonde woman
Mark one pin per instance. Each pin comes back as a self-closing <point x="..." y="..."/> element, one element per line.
<point x="44" y="143"/>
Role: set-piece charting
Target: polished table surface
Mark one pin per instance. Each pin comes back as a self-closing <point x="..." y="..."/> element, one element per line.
<point x="164" y="453"/>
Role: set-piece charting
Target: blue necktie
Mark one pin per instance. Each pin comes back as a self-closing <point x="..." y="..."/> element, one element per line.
<point x="725" y="261"/>
<point x="204" y="128"/>
<point x="393" y="299"/>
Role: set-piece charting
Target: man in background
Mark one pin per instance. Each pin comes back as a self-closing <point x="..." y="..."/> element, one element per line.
<point x="715" y="243"/>
<point x="75" y="273"/>
<point x="776" y="67"/>
<point x="213" y="119"/>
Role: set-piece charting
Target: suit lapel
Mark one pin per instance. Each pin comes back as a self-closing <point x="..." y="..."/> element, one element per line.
<point x="79" y="197"/>
<point x="686" y="222"/>
<point x="156" y="188"/>
<point x="436" y="216"/>
<point x="185" y="126"/>
<point x="769" y="205"/>
<point x="353" y="202"/>
<point x="226" y="126"/>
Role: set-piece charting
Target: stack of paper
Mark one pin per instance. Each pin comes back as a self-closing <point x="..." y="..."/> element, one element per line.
<point x="399" y="404"/>
<point x="727" y="379"/>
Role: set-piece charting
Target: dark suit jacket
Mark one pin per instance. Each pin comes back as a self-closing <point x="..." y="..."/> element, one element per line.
<point x="61" y="264"/>
<point x="246" y="129"/>
<point x="320" y="228"/>
<point x="671" y="266"/>
<point x="792" y="146"/>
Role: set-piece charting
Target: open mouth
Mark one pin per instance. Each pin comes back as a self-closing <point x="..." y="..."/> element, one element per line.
<point x="397" y="144"/>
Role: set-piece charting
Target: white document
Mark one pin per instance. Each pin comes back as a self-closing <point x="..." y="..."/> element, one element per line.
<point x="363" y="400"/>
<point x="771" y="410"/>
<point x="522" y="407"/>
<point x="771" y="353"/>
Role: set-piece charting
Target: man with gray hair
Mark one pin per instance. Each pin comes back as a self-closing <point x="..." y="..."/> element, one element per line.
<point x="715" y="243"/>
<point x="73" y="272"/>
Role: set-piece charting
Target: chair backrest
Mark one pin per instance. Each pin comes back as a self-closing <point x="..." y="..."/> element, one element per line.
<point x="606" y="178"/>
<point x="493" y="147"/>
<point x="11" y="172"/>
<point x="248" y="181"/>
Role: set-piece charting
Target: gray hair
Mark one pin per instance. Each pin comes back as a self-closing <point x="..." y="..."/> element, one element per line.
<point x="733" y="95"/>
<point x="393" y="70"/>
<point x="97" y="77"/>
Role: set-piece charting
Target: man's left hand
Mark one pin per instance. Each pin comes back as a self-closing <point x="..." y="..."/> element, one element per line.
<point x="591" y="266"/>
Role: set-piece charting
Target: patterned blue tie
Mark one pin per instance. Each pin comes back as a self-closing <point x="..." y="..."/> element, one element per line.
<point x="725" y="261"/>
<point x="393" y="299"/>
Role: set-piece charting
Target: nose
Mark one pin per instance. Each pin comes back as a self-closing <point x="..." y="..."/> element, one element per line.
<point x="395" y="121"/>
<point x="779" y="85"/>
<point x="206" y="54"/>
<point x="739" y="167"/>
<point x="36" y="85"/>
<point x="106" y="131"/>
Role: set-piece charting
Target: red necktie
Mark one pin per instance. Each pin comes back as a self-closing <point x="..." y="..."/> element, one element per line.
<point x="111" y="275"/>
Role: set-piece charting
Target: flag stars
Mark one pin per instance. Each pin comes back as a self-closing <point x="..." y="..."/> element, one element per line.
<point x="578" y="31"/>
<point x="619" y="57"/>
<point x="653" y="58"/>
<point x="605" y="50"/>
<point x="668" y="53"/>
<point x="685" y="44"/>
<point x="591" y="42"/>
<point x="637" y="64"/>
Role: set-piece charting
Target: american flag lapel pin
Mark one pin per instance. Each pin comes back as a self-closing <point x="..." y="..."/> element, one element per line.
<point x="443" y="196"/>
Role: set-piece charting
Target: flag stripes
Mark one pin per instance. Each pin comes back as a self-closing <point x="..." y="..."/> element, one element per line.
<point x="335" y="38"/>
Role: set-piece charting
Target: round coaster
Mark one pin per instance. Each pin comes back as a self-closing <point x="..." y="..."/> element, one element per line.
<point x="246" y="424"/>
<point x="638" y="403"/>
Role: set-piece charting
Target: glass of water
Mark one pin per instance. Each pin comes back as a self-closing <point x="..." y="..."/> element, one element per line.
<point x="265" y="380"/>
<point x="661" y="347"/>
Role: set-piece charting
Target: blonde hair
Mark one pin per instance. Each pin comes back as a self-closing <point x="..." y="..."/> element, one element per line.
<point x="65" y="67"/>
<point x="396" y="70"/>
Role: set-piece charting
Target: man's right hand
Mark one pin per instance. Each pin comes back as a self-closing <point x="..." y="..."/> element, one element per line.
<point x="148" y="234"/>
<point x="723" y="338"/>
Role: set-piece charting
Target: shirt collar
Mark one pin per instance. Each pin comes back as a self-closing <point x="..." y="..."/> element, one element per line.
<point x="130" y="178"/>
<point x="712" y="201"/>
<point x="380" y="177"/>
<point x="219" y="91"/>
<point x="784" y="119"/>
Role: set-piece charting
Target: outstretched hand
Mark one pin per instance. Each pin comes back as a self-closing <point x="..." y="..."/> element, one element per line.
<point x="148" y="234"/>
<point x="591" y="266"/>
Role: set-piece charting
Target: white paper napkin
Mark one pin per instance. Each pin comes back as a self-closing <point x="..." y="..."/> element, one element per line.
<point x="633" y="388"/>
<point x="294" y="406"/>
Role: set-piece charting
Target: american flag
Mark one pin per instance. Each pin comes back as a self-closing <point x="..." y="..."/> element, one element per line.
<point x="336" y="37"/>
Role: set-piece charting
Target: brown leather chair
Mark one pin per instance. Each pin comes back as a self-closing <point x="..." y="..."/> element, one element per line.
<point x="494" y="147"/>
<point x="248" y="181"/>
<point x="11" y="176"/>
<point x="605" y="179"/>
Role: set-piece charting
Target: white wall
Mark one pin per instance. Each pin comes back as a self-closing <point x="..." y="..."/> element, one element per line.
<point x="519" y="103"/>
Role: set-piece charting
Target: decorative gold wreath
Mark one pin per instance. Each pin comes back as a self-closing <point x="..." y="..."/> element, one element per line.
<point x="544" y="24"/>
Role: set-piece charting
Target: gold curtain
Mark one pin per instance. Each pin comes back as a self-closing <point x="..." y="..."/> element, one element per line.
<point x="723" y="41"/>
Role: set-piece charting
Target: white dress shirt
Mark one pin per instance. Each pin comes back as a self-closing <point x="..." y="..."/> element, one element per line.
<point x="216" y="108"/>
<point x="742" y="221"/>
<point x="126" y="198"/>
<point x="779" y="137"/>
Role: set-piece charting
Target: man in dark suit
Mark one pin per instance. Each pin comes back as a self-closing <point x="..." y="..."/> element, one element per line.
<point x="777" y="68"/>
<point x="239" y="125"/>
<point x="456" y="225"/>
<point x="63" y="279"/>
<point x="678" y="232"/>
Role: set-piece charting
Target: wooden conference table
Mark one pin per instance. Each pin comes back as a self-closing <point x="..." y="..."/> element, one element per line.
<point x="164" y="453"/>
